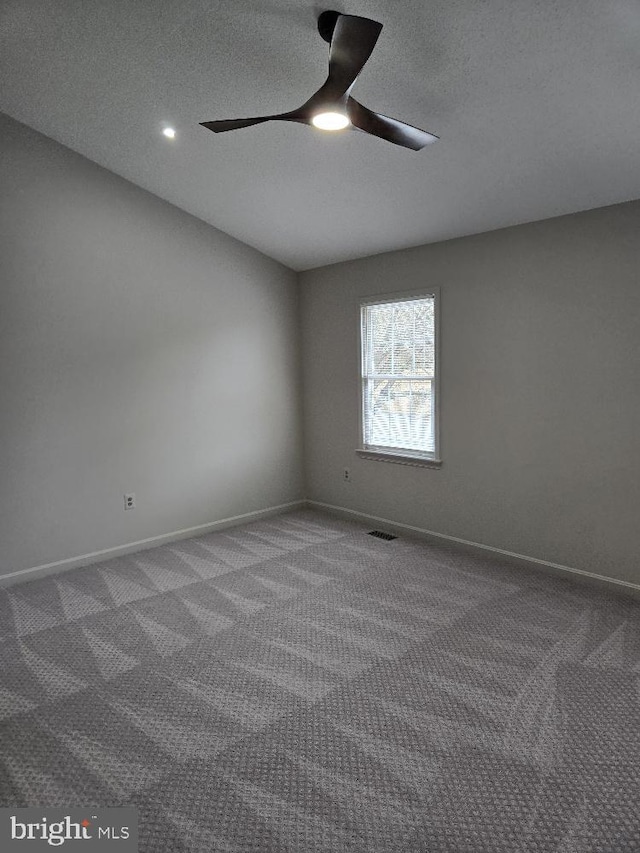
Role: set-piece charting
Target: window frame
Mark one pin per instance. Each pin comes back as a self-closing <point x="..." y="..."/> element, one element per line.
<point x="398" y="455"/>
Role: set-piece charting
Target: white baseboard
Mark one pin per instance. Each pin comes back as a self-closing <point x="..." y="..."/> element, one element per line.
<point x="143" y="544"/>
<point x="557" y="569"/>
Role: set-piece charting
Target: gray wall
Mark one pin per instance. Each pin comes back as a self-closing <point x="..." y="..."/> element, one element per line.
<point x="140" y="350"/>
<point x="540" y="390"/>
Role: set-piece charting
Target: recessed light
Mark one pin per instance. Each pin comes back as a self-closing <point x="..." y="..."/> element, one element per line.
<point x="330" y="121"/>
<point x="169" y="132"/>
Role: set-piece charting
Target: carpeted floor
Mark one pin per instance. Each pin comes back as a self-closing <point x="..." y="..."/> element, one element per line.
<point x="297" y="685"/>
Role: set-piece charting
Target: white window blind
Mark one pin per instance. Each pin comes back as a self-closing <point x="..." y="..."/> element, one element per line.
<point x="399" y="376"/>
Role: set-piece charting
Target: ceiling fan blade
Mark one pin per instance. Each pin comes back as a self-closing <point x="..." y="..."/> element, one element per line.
<point x="233" y="123"/>
<point x="351" y="45"/>
<point x="388" y="128"/>
<point x="237" y="123"/>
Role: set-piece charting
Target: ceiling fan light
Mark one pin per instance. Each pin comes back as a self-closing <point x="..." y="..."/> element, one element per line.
<point x="330" y="121"/>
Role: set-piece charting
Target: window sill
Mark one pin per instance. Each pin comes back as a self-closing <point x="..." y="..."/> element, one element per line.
<point x="399" y="458"/>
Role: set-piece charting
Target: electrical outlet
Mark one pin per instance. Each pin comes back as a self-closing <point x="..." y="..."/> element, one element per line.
<point x="346" y="475"/>
<point x="130" y="501"/>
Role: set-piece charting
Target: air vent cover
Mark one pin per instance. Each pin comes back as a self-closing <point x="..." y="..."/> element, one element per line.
<point x="380" y="535"/>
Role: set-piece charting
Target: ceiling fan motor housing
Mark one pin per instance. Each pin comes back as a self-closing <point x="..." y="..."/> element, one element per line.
<point x="327" y="23"/>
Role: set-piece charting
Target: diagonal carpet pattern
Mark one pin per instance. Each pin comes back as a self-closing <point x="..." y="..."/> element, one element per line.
<point x="295" y="685"/>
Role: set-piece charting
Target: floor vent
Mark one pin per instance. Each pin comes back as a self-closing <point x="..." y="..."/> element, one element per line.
<point x="380" y="535"/>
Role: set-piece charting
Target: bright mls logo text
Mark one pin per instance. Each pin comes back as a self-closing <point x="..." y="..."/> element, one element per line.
<point x="44" y="828"/>
<point x="58" y="832"/>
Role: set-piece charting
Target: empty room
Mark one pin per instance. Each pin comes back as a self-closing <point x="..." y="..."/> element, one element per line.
<point x="319" y="426"/>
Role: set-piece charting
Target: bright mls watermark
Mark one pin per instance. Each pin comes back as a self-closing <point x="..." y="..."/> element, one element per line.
<point x="86" y="830"/>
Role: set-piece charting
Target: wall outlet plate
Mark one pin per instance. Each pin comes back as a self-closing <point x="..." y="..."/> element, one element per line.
<point x="130" y="501"/>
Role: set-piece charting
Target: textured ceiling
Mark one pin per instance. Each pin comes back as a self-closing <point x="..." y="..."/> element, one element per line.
<point x="537" y="104"/>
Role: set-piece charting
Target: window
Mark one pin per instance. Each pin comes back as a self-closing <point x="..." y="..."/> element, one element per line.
<point x="399" y="380"/>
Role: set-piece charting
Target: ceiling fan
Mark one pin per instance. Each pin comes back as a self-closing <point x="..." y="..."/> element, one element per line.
<point x="351" y="40"/>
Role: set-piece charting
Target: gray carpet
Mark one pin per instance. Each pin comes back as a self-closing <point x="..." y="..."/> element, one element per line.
<point x="296" y="685"/>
